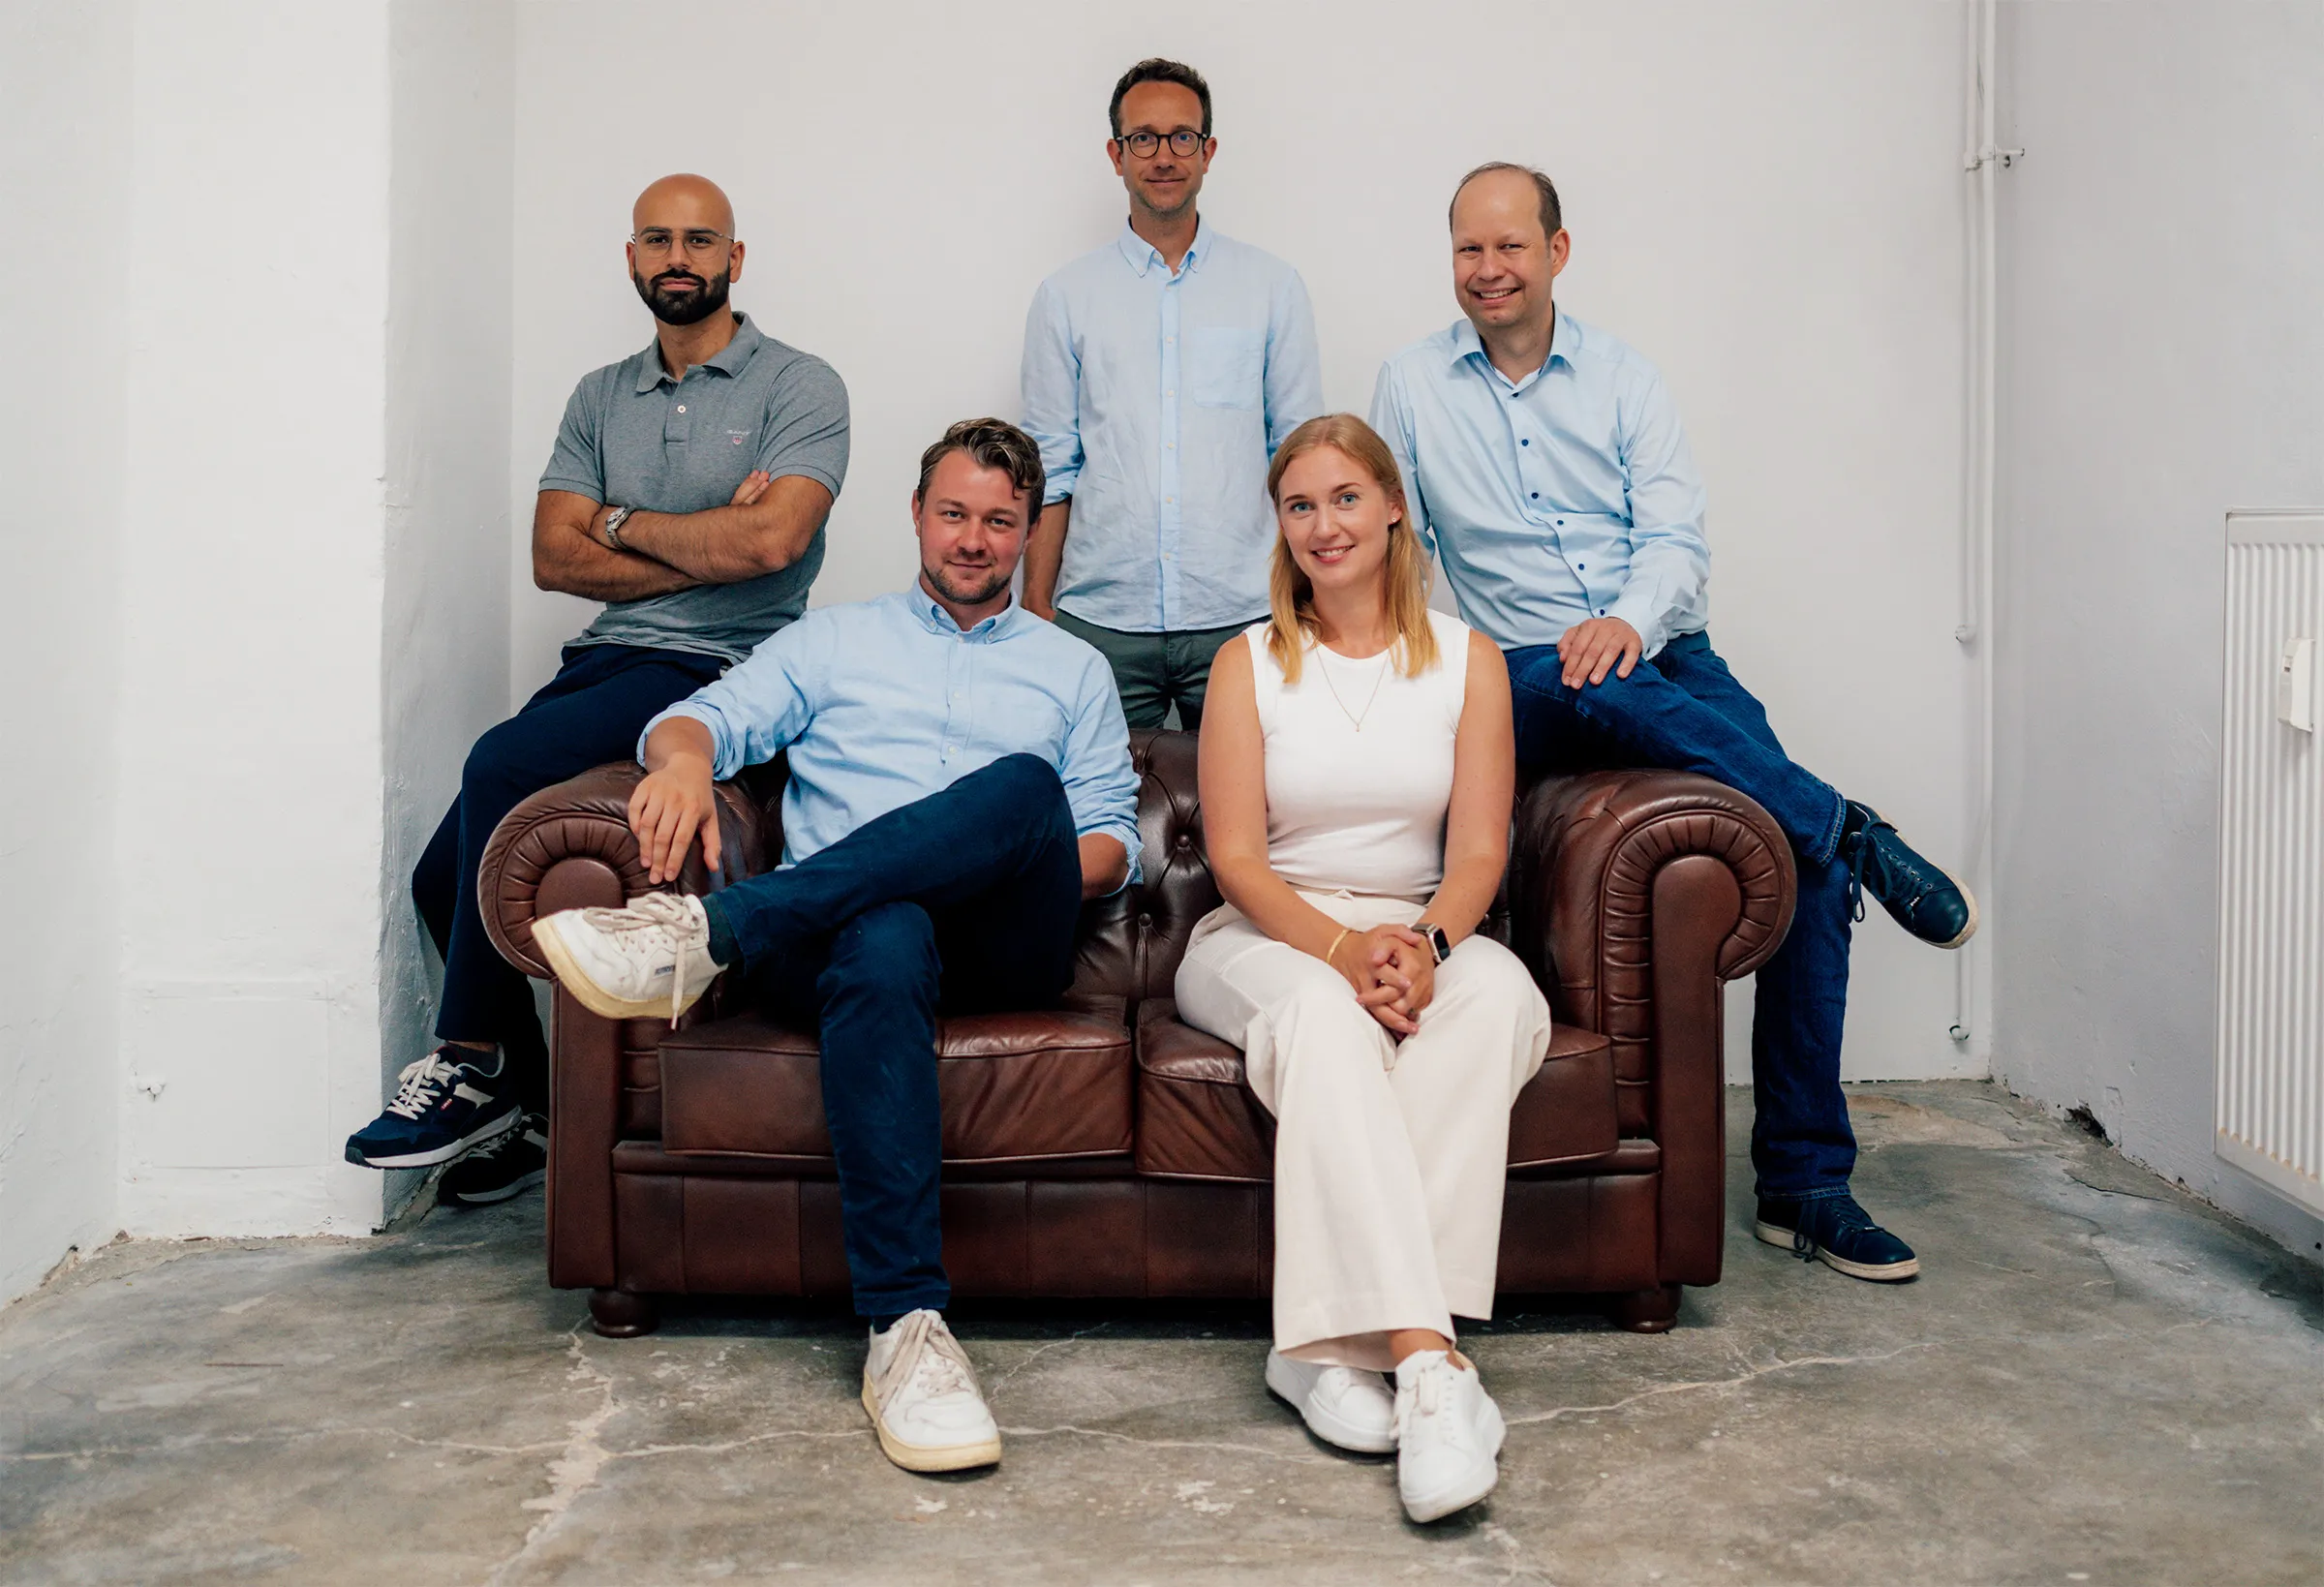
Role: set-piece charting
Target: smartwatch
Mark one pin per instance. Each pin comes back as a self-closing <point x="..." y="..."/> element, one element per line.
<point x="1439" y="944"/>
<point x="613" y="526"/>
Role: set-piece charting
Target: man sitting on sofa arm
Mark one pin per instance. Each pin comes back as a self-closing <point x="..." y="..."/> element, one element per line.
<point x="961" y="781"/>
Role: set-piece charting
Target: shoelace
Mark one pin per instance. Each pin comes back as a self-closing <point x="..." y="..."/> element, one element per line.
<point x="651" y="911"/>
<point x="1890" y="865"/>
<point x="1427" y="1397"/>
<point x="1846" y="1219"/>
<point x="421" y="1085"/>
<point x="926" y="1356"/>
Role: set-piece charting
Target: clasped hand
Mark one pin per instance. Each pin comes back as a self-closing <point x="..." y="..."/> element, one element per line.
<point x="1393" y="974"/>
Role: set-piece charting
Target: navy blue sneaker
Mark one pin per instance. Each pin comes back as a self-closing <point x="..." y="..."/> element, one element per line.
<point x="440" y="1110"/>
<point x="1923" y="899"/>
<point x="499" y="1169"/>
<point x="1835" y="1230"/>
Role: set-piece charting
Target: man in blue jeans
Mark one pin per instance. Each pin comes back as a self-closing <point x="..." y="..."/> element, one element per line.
<point x="961" y="781"/>
<point x="1544" y="459"/>
<point x="688" y="491"/>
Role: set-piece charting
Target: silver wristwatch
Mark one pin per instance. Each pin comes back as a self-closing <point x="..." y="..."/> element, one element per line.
<point x="613" y="526"/>
<point x="1440" y="946"/>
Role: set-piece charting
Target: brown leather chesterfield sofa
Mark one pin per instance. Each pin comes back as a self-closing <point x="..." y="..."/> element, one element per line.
<point x="1103" y="1148"/>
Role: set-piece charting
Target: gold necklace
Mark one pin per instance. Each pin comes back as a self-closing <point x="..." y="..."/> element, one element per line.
<point x="1355" y="719"/>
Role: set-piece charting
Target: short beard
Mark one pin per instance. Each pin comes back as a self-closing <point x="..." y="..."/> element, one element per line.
<point x="940" y="575"/>
<point x="690" y="309"/>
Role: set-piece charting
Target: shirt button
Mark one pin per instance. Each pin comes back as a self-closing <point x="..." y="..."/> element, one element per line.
<point x="1524" y="442"/>
<point x="682" y="408"/>
<point x="1170" y="393"/>
<point x="1561" y="523"/>
<point x="1537" y="495"/>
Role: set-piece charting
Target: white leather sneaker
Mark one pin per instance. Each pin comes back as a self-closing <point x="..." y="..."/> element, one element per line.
<point x="649" y="959"/>
<point x="923" y="1397"/>
<point x="1448" y="1435"/>
<point x="1340" y="1405"/>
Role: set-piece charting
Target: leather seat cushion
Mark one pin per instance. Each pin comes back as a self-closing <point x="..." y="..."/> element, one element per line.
<point x="1014" y="1088"/>
<point x="1197" y="1120"/>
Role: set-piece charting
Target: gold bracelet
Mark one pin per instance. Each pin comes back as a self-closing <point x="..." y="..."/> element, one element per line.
<point x="1345" y="931"/>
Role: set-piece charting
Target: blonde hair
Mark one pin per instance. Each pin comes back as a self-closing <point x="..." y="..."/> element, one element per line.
<point x="1405" y="574"/>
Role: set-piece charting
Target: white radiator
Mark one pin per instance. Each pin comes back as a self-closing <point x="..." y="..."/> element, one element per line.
<point x="2271" y="1051"/>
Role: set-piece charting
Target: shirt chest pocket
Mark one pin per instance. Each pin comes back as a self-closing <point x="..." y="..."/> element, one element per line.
<point x="1224" y="367"/>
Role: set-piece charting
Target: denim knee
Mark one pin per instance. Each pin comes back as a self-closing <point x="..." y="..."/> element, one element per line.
<point x="889" y="951"/>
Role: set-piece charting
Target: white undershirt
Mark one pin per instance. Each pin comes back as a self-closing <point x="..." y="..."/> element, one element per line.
<point x="1360" y="811"/>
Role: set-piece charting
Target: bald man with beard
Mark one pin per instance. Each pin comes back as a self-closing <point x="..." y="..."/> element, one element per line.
<point x="686" y="491"/>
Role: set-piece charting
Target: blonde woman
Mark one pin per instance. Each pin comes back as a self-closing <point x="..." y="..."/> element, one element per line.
<point x="1358" y="766"/>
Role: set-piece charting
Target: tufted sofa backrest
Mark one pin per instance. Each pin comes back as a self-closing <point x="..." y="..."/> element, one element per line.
<point x="1131" y="943"/>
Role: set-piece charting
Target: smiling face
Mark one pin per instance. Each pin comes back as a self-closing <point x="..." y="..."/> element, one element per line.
<point x="1336" y="519"/>
<point x="1502" y="263"/>
<point x="1164" y="183"/>
<point x="971" y="522"/>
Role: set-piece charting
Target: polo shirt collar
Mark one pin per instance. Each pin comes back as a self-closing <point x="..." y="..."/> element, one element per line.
<point x="933" y="617"/>
<point x="731" y="359"/>
<point x="1565" y="340"/>
<point x="1145" y="255"/>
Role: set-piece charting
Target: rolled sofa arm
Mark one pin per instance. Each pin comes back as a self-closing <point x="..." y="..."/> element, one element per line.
<point x="1634" y="898"/>
<point x="568" y="847"/>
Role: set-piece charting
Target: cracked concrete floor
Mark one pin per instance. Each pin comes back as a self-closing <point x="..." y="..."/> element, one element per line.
<point x="2096" y="1380"/>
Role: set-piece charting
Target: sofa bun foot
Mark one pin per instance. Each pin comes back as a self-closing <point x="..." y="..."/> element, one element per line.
<point x="618" y="1314"/>
<point x="1647" y="1311"/>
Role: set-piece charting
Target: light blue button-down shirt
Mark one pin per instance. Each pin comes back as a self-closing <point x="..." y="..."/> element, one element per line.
<point x="1568" y="495"/>
<point x="883" y="702"/>
<point x="1158" y="400"/>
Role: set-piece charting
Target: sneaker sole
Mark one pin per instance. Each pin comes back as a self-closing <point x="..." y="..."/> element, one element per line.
<point x="1436" y="1507"/>
<point x="923" y="1458"/>
<point x="1894" y="1273"/>
<point x="517" y="1187"/>
<point x="440" y="1154"/>
<point x="1340" y="1435"/>
<point x="592" y="997"/>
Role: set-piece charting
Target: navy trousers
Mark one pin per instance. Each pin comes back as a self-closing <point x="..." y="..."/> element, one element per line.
<point x="963" y="902"/>
<point x="591" y="713"/>
<point x="1684" y="711"/>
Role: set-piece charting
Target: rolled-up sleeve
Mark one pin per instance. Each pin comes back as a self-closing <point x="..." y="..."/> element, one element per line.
<point x="1101" y="786"/>
<point x="1295" y="364"/>
<point x="1669" y="559"/>
<point x="1050" y="387"/>
<point x="759" y="707"/>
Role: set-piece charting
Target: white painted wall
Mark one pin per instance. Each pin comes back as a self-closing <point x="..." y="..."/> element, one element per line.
<point x="2164" y="360"/>
<point x="64" y="164"/>
<point x="248" y="849"/>
<point x="445" y="638"/>
<point x="1766" y="199"/>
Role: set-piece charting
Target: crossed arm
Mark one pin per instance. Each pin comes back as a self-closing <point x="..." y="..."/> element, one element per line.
<point x="766" y="527"/>
<point x="1389" y="967"/>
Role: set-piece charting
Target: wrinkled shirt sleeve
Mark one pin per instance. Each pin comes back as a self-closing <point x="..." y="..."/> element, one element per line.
<point x="1669" y="559"/>
<point x="1050" y="389"/>
<point x="1101" y="786"/>
<point x="760" y="706"/>
<point x="1295" y="364"/>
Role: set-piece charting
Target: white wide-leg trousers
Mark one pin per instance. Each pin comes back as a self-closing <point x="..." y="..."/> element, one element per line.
<point x="1390" y="1156"/>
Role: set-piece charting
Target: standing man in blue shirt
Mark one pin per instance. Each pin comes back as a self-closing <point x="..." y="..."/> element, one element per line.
<point x="1160" y="374"/>
<point x="1544" y="461"/>
<point x="688" y="491"/>
<point x="961" y="781"/>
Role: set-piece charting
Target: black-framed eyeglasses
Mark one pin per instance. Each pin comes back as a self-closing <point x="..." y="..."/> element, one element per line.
<point x="1183" y="143"/>
<point x="699" y="241"/>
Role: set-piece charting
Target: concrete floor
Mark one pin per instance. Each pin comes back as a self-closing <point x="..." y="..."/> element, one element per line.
<point x="2097" y="1380"/>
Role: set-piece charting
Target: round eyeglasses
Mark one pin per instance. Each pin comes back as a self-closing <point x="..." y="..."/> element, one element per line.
<point x="658" y="240"/>
<point x="1183" y="143"/>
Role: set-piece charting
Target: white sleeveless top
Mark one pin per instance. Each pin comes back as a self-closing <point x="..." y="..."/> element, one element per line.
<point x="1360" y="811"/>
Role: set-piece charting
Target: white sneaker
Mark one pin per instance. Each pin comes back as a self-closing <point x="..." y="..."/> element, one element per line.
<point x="1449" y="1432"/>
<point x="922" y="1394"/>
<point x="1340" y="1405"/>
<point x="648" y="960"/>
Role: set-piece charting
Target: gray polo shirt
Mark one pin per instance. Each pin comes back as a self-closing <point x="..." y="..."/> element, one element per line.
<point x="636" y="438"/>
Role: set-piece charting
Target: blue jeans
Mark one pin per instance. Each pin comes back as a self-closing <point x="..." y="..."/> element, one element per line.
<point x="1683" y="710"/>
<point x="965" y="901"/>
<point x="589" y="714"/>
